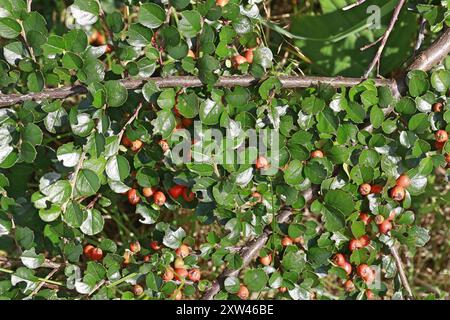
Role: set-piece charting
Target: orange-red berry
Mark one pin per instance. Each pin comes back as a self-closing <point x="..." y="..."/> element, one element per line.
<point x="403" y="181"/>
<point x="243" y="292"/>
<point x="159" y="198"/>
<point x="317" y="154"/>
<point x="133" y="197"/>
<point x="441" y="136"/>
<point x="398" y="193"/>
<point x="365" y="189"/>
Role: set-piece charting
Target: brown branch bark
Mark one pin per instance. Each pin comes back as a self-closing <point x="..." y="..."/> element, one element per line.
<point x="401" y="272"/>
<point x="189" y="81"/>
<point x="424" y="61"/>
<point x="250" y="251"/>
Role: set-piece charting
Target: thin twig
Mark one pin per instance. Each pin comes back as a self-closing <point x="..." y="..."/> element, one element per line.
<point x="41" y="284"/>
<point x="401" y="272"/>
<point x="353" y="5"/>
<point x="130" y="121"/>
<point x="420" y="36"/>
<point x="97" y="286"/>
<point x="376" y="59"/>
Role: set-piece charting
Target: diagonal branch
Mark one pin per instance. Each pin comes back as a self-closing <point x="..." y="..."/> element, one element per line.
<point x="401" y="272"/>
<point x="385" y="37"/>
<point x="353" y="5"/>
<point x="250" y="251"/>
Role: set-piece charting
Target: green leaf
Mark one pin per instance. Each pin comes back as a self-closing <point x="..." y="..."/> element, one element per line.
<point x="293" y="173"/>
<point x="9" y="28"/>
<point x="87" y="182"/>
<point x="255" y="279"/>
<point x="358" y="229"/>
<point x="190" y="23"/>
<point x="164" y="123"/>
<point x="93" y="223"/>
<point x="85" y="12"/>
<point x="116" y="93"/>
<point x="35" y="81"/>
<point x="376" y="117"/>
<point x="151" y="15"/>
<point x="294" y="261"/>
<point x="340" y="201"/>
<point x="32" y="134"/>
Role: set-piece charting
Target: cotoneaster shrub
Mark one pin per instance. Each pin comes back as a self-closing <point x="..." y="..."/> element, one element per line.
<point x="95" y="204"/>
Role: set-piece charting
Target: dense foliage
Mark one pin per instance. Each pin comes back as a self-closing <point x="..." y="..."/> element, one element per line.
<point x="96" y="204"/>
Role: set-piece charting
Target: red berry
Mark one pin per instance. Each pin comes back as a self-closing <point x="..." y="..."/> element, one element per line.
<point x="339" y="259"/>
<point x="398" y="193"/>
<point x="187" y="122"/>
<point x="376" y="189"/>
<point x="353" y="245"/>
<point x="194" y="275"/>
<point x="364" y="217"/>
<point x="317" y="154"/>
<point x="238" y="60"/>
<point x="266" y="260"/>
<point x="282" y="289"/>
<point x="191" y="54"/>
<point x="147" y="258"/>
<point x="403" y="181"/>
<point x="441" y="136"/>
<point x="262" y="163"/>
<point x="164" y="145"/>
<point x="347" y="267"/>
<point x="243" y="292"/>
<point x="364" y="241"/>
<point x="437" y="107"/>
<point x="126" y="142"/>
<point x="188" y="195"/>
<point x="349" y="286"/>
<point x="183" y="251"/>
<point x="366" y="273"/>
<point x="180" y="273"/>
<point x="369" y="294"/>
<point x="136" y="145"/>
<point x="135" y="247"/>
<point x="222" y="3"/>
<point x="385" y="226"/>
<point x="133" y="197"/>
<point x="176" y="191"/>
<point x="168" y="275"/>
<point x="439" y="145"/>
<point x="155" y="245"/>
<point x="286" y="241"/>
<point x="159" y="198"/>
<point x="148" y="192"/>
<point x="138" y="290"/>
<point x="96" y="254"/>
<point x="88" y="250"/>
<point x="365" y="189"/>
<point x="249" y="56"/>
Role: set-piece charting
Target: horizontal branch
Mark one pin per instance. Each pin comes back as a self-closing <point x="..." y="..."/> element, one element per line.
<point x="189" y="81"/>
